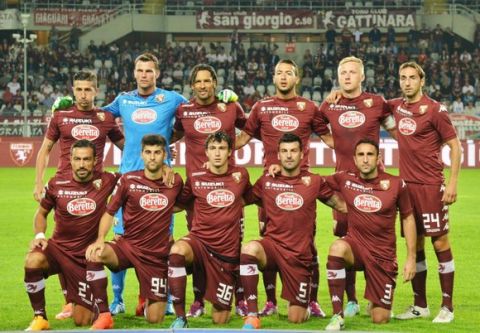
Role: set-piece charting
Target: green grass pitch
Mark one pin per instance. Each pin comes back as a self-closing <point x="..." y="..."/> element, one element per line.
<point x="18" y="206"/>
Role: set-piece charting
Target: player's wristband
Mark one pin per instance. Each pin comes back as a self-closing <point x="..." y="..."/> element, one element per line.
<point x="40" y="235"/>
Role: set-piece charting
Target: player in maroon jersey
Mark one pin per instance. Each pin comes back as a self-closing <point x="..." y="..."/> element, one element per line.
<point x="290" y="203"/>
<point x="372" y="199"/>
<point x="195" y="121"/>
<point x="356" y="115"/>
<point x="212" y="246"/>
<point x="147" y="205"/>
<point x="79" y="199"/>
<point x="423" y="128"/>
<point x="269" y="119"/>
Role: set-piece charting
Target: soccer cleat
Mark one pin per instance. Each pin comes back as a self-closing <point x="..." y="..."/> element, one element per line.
<point x="352" y="309"/>
<point x="196" y="310"/>
<point x="140" y="309"/>
<point x="251" y="323"/>
<point x="241" y="308"/>
<point x="413" y="312"/>
<point x="117" y="307"/>
<point x="336" y="323"/>
<point x="66" y="312"/>
<point x="179" y="322"/>
<point x="445" y="316"/>
<point x="104" y="322"/>
<point x="38" y="324"/>
<point x="315" y="310"/>
<point x="268" y="310"/>
<point x="169" y="310"/>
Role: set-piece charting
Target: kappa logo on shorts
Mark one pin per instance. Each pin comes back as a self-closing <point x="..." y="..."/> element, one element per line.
<point x="207" y="125"/>
<point x="367" y="203"/>
<point x="85" y="132"/>
<point x="351" y="119"/>
<point x="153" y="201"/>
<point x="81" y="207"/>
<point x="285" y="123"/>
<point x="21" y="153"/>
<point x="407" y="126"/>
<point x="289" y="201"/>
<point x="220" y="198"/>
<point x="144" y="116"/>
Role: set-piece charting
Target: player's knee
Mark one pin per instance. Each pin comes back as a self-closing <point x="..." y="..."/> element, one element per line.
<point x="380" y="316"/>
<point x="441" y="243"/>
<point x="179" y="247"/>
<point x="35" y="260"/>
<point x="154" y="318"/>
<point x="338" y="248"/>
<point x="81" y="318"/>
<point x="250" y="248"/>
<point x="220" y="320"/>
<point x="297" y="314"/>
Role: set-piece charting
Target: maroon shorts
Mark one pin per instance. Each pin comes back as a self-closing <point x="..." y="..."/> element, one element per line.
<point x="341" y="222"/>
<point x="151" y="270"/>
<point x="220" y="275"/>
<point x="74" y="270"/>
<point x="431" y="215"/>
<point x="296" y="275"/>
<point x="380" y="275"/>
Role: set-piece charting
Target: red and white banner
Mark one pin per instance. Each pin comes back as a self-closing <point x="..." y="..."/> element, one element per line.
<point x="366" y="18"/>
<point x="23" y="151"/>
<point x="279" y="19"/>
<point x="63" y="17"/>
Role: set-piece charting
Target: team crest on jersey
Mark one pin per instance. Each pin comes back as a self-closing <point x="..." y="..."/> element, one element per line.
<point x="301" y="106"/>
<point x="307" y="180"/>
<point x="422" y="109"/>
<point x="160" y="98"/>
<point x="237" y="176"/>
<point x="222" y="107"/>
<point x="101" y="116"/>
<point x="385" y="184"/>
<point x="21" y="153"/>
<point x="368" y="102"/>
<point x="97" y="183"/>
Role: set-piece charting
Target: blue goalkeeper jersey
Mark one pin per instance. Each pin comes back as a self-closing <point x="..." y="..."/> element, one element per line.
<point x="154" y="114"/>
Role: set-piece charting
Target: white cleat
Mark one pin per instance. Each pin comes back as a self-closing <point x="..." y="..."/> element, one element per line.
<point x="445" y="316"/>
<point x="414" y="312"/>
<point x="352" y="309"/>
<point x="336" y="323"/>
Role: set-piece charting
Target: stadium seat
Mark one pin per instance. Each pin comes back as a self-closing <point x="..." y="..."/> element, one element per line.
<point x="328" y="73"/>
<point x="177" y="88"/>
<point x="317" y="97"/>
<point x="261" y="89"/>
<point x="271" y="89"/>
<point x="306" y="94"/>
<point x="221" y="72"/>
<point x="187" y="89"/>
<point x="317" y="81"/>
<point x="370" y="73"/>
<point x="97" y="64"/>
<point x="220" y="80"/>
<point x="108" y="64"/>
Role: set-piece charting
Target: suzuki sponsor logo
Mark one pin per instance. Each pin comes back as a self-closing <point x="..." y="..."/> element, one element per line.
<point x="285" y="123"/>
<point x="81" y="207"/>
<point x="289" y="201"/>
<point x="351" y="119"/>
<point x="367" y="203"/>
<point x="220" y="198"/>
<point x="144" y="116"/>
<point x="407" y="126"/>
<point x="207" y="125"/>
<point x="153" y="201"/>
<point x="85" y="132"/>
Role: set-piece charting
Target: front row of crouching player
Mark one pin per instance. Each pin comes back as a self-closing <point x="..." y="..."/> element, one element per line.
<point x="218" y="193"/>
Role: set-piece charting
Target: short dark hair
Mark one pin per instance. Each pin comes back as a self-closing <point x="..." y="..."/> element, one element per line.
<point x="414" y="65"/>
<point x="367" y="141"/>
<point x="202" y="67"/>
<point x="84" y="143"/>
<point x="289" y="62"/>
<point x="146" y="57"/>
<point x="153" y="140"/>
<point x="219" y="137"/>
<point x="85" y="76"/>
<point x="290" y="137"/>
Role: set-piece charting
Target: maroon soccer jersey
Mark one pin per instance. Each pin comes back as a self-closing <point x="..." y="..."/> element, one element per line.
<point x="423" y="127"/>
<point x="273" y="117"/>
<point x="199" y="121"/>
<point x="372" y="207"/>
<point x="352" y="120"/>
<point x="218" y="208"/>
<point x="291" y="209"/>
<point x="147" y="208"/>
<point x="78" y="208"/>
<point x="68" y="126"/>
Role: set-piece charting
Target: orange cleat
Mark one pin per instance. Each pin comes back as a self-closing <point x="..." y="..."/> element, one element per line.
<point x="66" y="312"/>
<point x="140" y="309"/>
<point x="251" y="323"/>
<point x="103" y="322"/>
<point x="38" y="324"/>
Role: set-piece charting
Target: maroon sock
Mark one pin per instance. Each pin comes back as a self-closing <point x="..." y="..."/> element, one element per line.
<point x="446" y="271"/>
<point x="177" y="282"/>
<point x="249" y="279"/>
<point x="270" y="284"/>
<point x="419" y="282"/>
<point x="97" y="280"/>
<point x="35" y="286"/>
<point x="350" y="285"/>
<point x="336" y="282"/>
<point x="314" y="284"/>
<point x="239" y="295"/>
<point x="63" y="284"/>
<point x="199" y="285"/>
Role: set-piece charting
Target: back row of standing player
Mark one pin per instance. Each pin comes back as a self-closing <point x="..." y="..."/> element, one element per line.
<point x="415" y="115"/>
